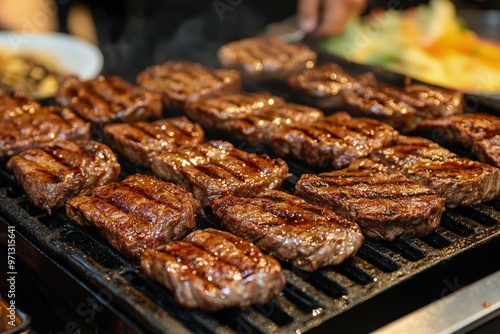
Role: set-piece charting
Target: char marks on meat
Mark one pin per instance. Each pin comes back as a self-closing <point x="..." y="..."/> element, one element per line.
<point x="137" y="213"/>
<point x="217" y="168"/>
<point x="212" y="270"/>
<point x="384" y="205"/>
<point x="290" y="229"/>
<point x="59" y="170"/>
<point x="266" y="57"/>
<point x="403" y="108"/>
<point x="110" y="99"/>
<point x="180" y="82"/>
<point x="335" y="140"/>
<point x="479" y="133"/>
<point x="37" y="126"/>
<point x="250" y="116"/>
<point x="141" y="140"/>
<point x="461" y="181"/>
<point x="323" y="85"/>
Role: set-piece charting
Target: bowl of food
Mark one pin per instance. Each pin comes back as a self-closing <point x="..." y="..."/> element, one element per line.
<point x="35" y="64"/>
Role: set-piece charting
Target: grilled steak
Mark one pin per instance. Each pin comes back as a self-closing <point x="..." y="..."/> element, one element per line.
<point x="217" y="168"/>
<point x="335" y="140"/>
<point x="14" y="104"/>
<point x="62" y="169"/>
<point x="250" y="116"/>
<point x="403" y="108"/>
<point x="216" y="112"/>
<point x="479" y="133"/>
<point x="108" y="100"/>
<point x="384" y="205"/>
<point x="137" y="213"/>
<point x="37" y="126"/>
<point x="265" y="57"/>
<point x="290" y="229"/>
<point x="139" y="141"/>
<point x="212" y="270"/>
<point x="322" y="86"/>
<point x="461" y="181"/>
<point x="180" y="82"/>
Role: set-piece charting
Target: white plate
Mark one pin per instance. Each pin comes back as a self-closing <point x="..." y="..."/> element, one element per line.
<point x="74" y="55"/>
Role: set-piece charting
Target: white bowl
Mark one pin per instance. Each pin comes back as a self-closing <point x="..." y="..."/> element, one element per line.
<point x="72" y="54"/>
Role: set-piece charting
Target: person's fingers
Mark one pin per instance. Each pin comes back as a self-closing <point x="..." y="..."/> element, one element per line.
<point x="308" y="12"/>
<point x="336" y="14"/>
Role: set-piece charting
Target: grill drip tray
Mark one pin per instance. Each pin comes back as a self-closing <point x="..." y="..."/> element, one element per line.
<point x="309" y="300"/>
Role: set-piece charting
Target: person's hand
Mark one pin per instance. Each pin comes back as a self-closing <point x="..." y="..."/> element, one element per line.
<point x="324" y="18"/>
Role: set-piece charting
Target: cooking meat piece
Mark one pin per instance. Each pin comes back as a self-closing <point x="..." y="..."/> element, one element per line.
<point x="139" y="141"/>
<point x="290" y="229"/>
<point x="461" y="181"/>
<point x="180" y="82"/>
<point x="250" y="116"/>
<point x="137" y="213"/>
<point x="212" y="270"/>
<point x="60" y="170"/>
<point x="37" y="126"/>
<point x="403" y="108"/>
<point x="216" y="112"/>
<point x="217" y="168"/>
<point x="14" y="104"/>
<point x="384" y="205"/>
<point x="322" y="86"/>
<point x="109" y="100"/>
<point x="479" y="133"/>
<point x="335" y="140"/>
<point x="266" y="57"/>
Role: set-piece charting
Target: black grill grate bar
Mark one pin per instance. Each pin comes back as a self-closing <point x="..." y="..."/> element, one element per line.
<point x="405" y="248"/>
<point x="323" y="282"/>
<point x="495" y="204"/>
<point x="372" y="254"/>
<point x="436" y="240"/>
<point x="456" y="223"/>
<point x="353" y="272"/>
<point x="302" y="300"/>
<point x="482" y="214"/>
<point x="237" y="321"/>
<point x="274" y="312"/>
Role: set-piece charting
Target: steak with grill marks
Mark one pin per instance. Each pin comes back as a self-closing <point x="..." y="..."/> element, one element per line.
<point x="461" y="181"/>
<point x="14" y="103"/>
<point x="479" y="133"/>
<point x="384" y="205"/>
<point x="323" y="86"/>
<point x="266" y="57"/>
<point x="212" y="270"/>
<point x="290" y="229"/>
<point x="180" y="82"/>
<point x="60" y="170"/>
<point x="38" y="126"/>
<point x="403" y="108"/>
<point x="335" y="140"/>
<point x="139" y="141"/>
<point x="217" y="168"/>
<point x="109" y="100"/>
<point x="251" y="116"/>
<point x="137" y="213"/>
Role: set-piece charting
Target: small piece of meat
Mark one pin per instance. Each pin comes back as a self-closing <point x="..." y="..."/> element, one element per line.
<point x="138" y="142"/>
<point x="266" y="58"/>
<point x="213" y="270"/>
<point x="290" y="229"/>
<point x="217" y="168"/>
<point x="216" y="112"/>
<point x="250" y="116"/>
<point x="38" y="126"/>
<point x="59" y="170"/>
<point x="384" y="205"/>
<point x="323" y="86"/>
<point x="13" y="104"/>
<point x="110" y="99"/>
<point x="180" y="82"/>
<point x="479" y="133"/>
<point x="403" y="108"/>
<point x="461" y="181"/>
<point x="335" y="140"/>
<point x="136" y="214"/>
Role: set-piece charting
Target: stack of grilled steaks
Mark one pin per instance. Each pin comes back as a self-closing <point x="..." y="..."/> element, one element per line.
<point x="372" y="181"/>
